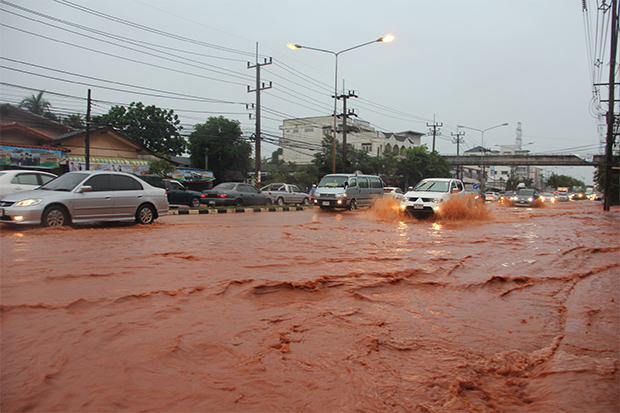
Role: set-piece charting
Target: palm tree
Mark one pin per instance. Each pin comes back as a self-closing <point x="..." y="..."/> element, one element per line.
<point x="36" y="104"/>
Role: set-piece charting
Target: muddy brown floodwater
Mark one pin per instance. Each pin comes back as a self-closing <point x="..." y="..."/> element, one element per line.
<point x="506" y="310"/>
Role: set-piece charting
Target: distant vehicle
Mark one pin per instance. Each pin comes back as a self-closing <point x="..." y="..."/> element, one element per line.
<point x="175" y="191"/>
<point x="491" y="196"/>
<point x="348" y="191"/>
<point x="579" y="194"/>
<point x="12" y="181"/>
<point x="428" y="195"/>
<point x="237" y="194"/>
<point x="525" y="197"/>
<point x="563" y="196"/>
<point x="548" y="197"/>
<point x="286" y="194"/>
<point x="507" y="197"/>
<point x="86" y="196"/>
<point x="393" y="191"/>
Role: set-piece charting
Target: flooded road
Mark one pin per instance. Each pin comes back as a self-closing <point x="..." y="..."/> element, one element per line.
<point x="511" y="310"/>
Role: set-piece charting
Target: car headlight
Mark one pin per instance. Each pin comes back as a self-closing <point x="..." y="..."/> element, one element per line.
<point x="28" y="202"/>
<point x="530" y="199"/>
<point x="437" y="200"/>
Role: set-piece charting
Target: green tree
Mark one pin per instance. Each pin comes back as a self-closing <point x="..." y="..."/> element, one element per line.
<point x="556" y="181"/>
<point x="36" y="104"/>
<point x="74" y="121"/>
<point x="323" y="159"/>
<point x="220" y="140"/>
<point x="418" y="164"/>
<point x="161" y="167"/>
<point x="277" y="169"/>
<point x="155" y="128"/>
<point x="306" y="175"/>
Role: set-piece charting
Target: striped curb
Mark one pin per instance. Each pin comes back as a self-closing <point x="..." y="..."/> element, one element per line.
<point x="176" y="211"/>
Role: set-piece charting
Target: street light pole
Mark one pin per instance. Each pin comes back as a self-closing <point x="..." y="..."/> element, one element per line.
<point x="482" y="148"/>
<point x="385" y="39"/>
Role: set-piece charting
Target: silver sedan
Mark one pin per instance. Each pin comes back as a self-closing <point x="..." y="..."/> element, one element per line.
<point x="86" y="196"/>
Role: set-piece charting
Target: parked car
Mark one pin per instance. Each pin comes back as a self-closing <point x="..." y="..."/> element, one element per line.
<point x="177" y="193"/>
<point x="12" y="181"/>
<point x="428" y="195"/>
<point x="286" y="194"/>
<point x="491" y="196"/>
<point x="86" y="196"/>
<point x="393" y="191"/>
<point x="525" y="197"/>
<point x="235" y="193"/>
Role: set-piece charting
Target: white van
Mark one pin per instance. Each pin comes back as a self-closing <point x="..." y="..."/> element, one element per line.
<point x="348" y="191"/>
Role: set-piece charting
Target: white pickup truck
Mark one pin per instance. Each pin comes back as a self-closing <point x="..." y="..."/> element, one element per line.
<point x="286" y="194"/>
<point x="428" y="195"/>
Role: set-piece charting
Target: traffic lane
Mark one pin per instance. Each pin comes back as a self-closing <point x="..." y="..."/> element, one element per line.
<point x="315" y="310"/>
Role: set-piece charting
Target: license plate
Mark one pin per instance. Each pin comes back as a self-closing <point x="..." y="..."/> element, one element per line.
<point x="418" y="206"/>
<point x="325" y="203"/>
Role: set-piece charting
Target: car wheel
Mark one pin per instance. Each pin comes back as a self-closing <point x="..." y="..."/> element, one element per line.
<point x="306" y="201"/>
<point x="353" y="205"/>
<point x="239" y="202"/>
<point x="268" y="201"/>
<point x="145" y="215"/>
<point x="280" y="201"/>
<point x="194" y="202"/>
<point x="55" y="216"/>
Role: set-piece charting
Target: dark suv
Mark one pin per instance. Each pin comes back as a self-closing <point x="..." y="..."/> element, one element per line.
<point x="177" y="193"/>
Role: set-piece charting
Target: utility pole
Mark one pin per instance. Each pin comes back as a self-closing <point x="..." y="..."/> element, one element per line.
<point x="610" y="111"/>
<point x="87" y="137"/>
<point x="345" y="115"/>
<point x="258" y="89"/>
<point x="458" y="140"/>
<point x="435" y="132"/>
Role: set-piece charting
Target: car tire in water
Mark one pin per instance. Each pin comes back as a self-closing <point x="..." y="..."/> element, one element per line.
<point x="145" y="215"/>
<point x="55" y="216"/>
<point x="194" y="202"/>
<point x="280" y="201"/>
<point x="353" y="205"/>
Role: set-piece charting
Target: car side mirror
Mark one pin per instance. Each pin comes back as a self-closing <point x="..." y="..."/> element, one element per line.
<point x="86" y="188"/>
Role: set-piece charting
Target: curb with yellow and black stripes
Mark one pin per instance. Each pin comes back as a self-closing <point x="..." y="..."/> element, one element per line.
<point x="186" y="211"/>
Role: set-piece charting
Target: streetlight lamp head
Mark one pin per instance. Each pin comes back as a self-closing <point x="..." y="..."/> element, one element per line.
<point x="387" y="38"/>
<point x="293" y="46"/>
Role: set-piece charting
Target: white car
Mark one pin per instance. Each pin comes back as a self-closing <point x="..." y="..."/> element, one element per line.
<point x="393" y="191"/>
<point x="428" y="195"/>
<point x="12" y="181"/>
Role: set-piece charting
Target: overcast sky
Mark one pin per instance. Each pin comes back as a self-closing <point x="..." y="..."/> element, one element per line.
<point x="467" y="62"/>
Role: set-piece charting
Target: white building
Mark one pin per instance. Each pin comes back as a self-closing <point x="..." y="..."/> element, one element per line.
<point x="302" y="137"/>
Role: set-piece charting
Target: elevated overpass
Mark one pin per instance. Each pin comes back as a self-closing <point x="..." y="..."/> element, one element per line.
<point x="525" y="160"/>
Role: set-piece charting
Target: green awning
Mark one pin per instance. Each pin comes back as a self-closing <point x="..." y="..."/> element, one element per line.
<point x="117" y="161"/>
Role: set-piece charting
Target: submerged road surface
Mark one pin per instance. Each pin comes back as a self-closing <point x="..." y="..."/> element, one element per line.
<point x="507" y="310"/>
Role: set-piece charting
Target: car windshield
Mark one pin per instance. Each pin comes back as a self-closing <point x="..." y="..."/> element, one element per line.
<point x="333" y="181"/>
<point x="526" y="192"/>
<point x="432" y="186"/>
<point x="66" y="182"/>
